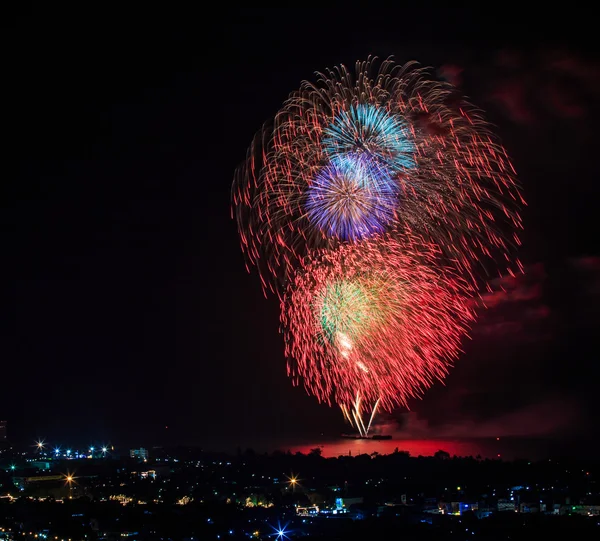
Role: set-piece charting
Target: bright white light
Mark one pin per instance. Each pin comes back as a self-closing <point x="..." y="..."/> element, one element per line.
<point x="362" y="366"/>
<point x="104" y="449"/>
<point x="344" y="344"/>
<point x="281" y="532"/>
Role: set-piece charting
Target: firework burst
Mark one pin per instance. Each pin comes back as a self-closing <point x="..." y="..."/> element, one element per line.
<point x="378" y="151"/>
<point x="373" y="321"/>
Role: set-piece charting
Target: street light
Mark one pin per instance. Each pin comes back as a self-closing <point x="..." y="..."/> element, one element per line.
<point x="69" y="479"/>
<point x="293" y="481"/>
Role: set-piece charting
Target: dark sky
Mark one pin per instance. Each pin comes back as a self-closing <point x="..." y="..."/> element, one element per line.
<point x="128" y="305"/>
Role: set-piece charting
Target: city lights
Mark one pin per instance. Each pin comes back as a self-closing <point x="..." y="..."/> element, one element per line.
<point x="249" y="488"/>
<point x="293" y="481"/>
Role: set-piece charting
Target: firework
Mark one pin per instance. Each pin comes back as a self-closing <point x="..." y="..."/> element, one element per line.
<point x="384" y="151"/>
<point x="351" y="198"/>
<point x="370" y="204"/>
<point x="373" y="322"/>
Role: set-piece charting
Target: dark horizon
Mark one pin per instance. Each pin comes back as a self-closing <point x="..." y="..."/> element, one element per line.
<point x="133" y="310"/>
<point x="507" y="449"/>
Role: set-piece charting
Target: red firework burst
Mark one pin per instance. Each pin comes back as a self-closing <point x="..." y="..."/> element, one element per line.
<point x="375" y="320"/>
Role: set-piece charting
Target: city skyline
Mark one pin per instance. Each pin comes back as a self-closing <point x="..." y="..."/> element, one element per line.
<point x="184" y="492"/>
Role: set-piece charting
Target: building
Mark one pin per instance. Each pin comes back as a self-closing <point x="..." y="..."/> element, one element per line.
<point x="581" y="509"/>
<point x="313" y="510"/>
<point x="458" y="508"/>
<point x="41" y="464"/>
<point x="506" y="505"/>
<point x="529" y="507"/>
<point x="140" y="453"/>
<point x="430" y="505"/>
<point x="3" y="437"/>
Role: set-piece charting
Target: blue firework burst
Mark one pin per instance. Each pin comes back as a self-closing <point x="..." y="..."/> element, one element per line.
<point x="372" y="131"/>
<point x="352" y="198"/>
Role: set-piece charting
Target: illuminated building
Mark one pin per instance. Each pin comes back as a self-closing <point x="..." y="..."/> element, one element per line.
<point x="149" y="473"/>
<point x="140" y="453"/>
<point x="313" y="510"/>
<point x="40" y="464"/>
<point x="458" y="508"/>
<point x="505" y="504"/>
<point x="529" y="507"/>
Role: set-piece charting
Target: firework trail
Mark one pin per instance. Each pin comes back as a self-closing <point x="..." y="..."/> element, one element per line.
<point x="373" y="321"/>
<point x="387" y="150"/>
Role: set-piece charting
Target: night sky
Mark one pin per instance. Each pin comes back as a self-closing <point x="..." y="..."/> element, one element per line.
<point x="129" y="308"/>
